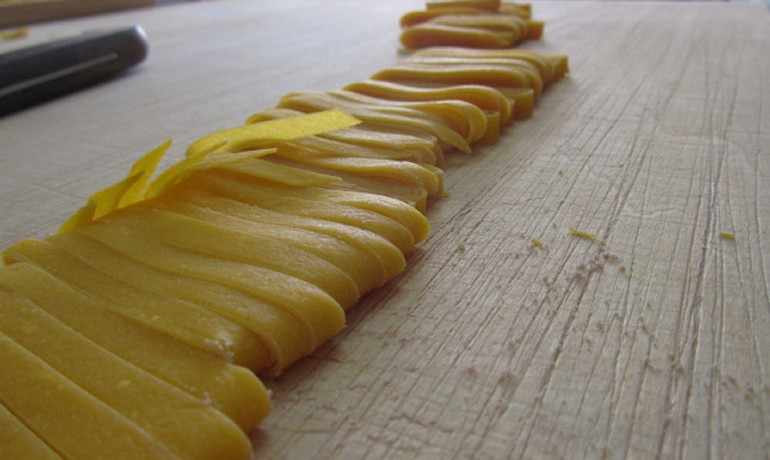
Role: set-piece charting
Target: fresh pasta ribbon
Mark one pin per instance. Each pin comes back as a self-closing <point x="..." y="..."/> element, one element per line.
<point x="470" y="24"/>
<point x="243" y="140"/>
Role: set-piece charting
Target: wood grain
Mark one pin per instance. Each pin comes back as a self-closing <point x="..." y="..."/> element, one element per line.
<point x="650" y="341"/>
<point x="34" y="11"/>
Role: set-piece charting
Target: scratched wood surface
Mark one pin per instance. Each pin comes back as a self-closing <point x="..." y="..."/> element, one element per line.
<point x="649" y="341"/>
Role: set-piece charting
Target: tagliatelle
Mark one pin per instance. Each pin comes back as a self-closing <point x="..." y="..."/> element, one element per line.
<point x="199" y="236"/>
<point x="530" y="73"/>
<point x="151" y="312"/>
<point x="271" y="330"/>
<point x="137" y="187"/>
<point x="164" y="412"/>
<point x="495" y="76"/>
<point x="187" y="322"/>
<point x="551" y="68"/>
<point x="361" y="255"/>
<point x="390" y="118"/>
<point x="407" y="144"/>
<point x="260" y="135"/>
<point x="466" y="119"/>
<point x="430" y="34"/>
<point x="401" y="171"/>
<point x="483" y="97"/>
<point x="231" y="389"/>
<point x="470" y="24"/>
<point x="38" y="395"/>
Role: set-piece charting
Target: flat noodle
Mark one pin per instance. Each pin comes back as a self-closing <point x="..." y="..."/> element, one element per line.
<point x="470" y="24"/>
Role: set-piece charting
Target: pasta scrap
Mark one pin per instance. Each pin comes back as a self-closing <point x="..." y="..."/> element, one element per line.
<point x="582" y="234"/>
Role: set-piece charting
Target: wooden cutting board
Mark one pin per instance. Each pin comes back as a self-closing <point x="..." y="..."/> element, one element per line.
<point x="649" y="341"/>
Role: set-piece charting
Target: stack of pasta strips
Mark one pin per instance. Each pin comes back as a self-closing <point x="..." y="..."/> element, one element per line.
<point x="139" y="329"/>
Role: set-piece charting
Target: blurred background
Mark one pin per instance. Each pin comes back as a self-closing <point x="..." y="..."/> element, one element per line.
<point x="15" y="13"/>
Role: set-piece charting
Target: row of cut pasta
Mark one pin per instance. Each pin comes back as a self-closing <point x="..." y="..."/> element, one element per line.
<point x="146" y="318"/>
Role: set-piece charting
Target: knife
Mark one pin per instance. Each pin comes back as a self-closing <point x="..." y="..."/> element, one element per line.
<point x="39" y="73"/>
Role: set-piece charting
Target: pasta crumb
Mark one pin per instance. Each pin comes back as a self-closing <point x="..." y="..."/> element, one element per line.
<point x="582" y="234"/>
<point x="15" y="34"/>
<point x="727" y="236"/>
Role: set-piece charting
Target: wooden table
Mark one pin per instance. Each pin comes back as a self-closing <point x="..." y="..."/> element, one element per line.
<point x="650" y="341"/>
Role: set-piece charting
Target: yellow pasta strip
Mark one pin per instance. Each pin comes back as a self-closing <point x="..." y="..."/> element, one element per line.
<point x="187" y="322"/>
<point x="401" y="171"/>
<point x="145" y="167"/>
<point x="409" y="144"/>
<point x="322" y="315"/>
<point x="329" y="148"/>
<point x="18" y="441"/>
<point x="233" y="390"/>
<point x="363" y="266"/>
<point x="188" y="426"/>
<point x="120" y="194"/>
<point x="523" y="10"/>
<point x="521" y="100"/>
<point x="483" y="97"/>
<point x="434" y="9"/>
<point x="534" y="29"/>
<point x="494" y="76"/>
<point x="230" y="244"/>
<point x="282" y="335"/>
<point x="489" y="5"/>
<point x="492" y="22"/>
<point x="414" y="195"/>
<point x="465" y="118"/>
<point x="260" y="135"/>
<point x="551" y="68"/>
<point x="136" y="186"/>
<point x="282" y="174"/>
<point x="200" y="162"/>
<point x="395" y="221"/>
<point x="425" y="145"/>
<point x="414" y="221"/>
<point x="395" y="118"/>
<point x="531" y="74"/>
<point x="367" y="257"/>
<point x="428" y="34"/>
<point x="39" y="395"/>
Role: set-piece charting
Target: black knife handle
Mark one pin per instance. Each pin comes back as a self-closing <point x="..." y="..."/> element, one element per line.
<point x="38" y="73"/>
